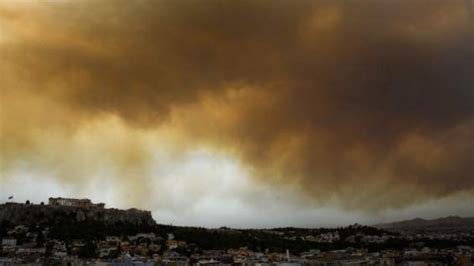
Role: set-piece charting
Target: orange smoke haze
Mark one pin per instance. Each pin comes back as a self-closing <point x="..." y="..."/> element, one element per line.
<point x="361" y="104"/>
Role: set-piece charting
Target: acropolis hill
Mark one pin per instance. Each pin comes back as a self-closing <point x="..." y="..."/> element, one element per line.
<point x="73" y="209"/>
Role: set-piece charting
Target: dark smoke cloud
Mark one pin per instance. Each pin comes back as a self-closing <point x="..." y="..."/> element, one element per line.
<point x="365" y="103"/>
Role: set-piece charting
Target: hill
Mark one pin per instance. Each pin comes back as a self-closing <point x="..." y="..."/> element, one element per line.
<point x="17" y="213"/>
<point x="449" y="223"/>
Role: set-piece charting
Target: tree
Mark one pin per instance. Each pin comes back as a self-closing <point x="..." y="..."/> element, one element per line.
<point x="40" y="239"/>
<point x="88" y="250"/>
<point x="27" y="202"/>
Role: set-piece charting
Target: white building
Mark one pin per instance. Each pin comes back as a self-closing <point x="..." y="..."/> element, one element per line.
<point x="9" y="242"/>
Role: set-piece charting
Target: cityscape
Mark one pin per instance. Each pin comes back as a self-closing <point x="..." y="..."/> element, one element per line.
<point x="237" y="132"/>
<point x="78" y="232"/>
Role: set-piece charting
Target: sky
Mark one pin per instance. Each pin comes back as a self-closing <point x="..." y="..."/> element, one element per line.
<point x="241" y="113"/>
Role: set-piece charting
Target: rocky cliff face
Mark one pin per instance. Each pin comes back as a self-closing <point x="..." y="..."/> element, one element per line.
<point x="16" y="213"/>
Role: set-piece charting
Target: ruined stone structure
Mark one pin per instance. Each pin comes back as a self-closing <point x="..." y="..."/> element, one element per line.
<point x="79" y="203"/>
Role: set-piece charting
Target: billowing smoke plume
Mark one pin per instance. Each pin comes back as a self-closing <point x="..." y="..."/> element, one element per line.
<point x="366" y="104"/>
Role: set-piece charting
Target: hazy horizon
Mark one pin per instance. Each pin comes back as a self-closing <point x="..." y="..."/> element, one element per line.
<point x="369" y="222"/>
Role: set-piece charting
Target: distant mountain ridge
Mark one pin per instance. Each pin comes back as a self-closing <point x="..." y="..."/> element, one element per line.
<point x="438" y="224"/>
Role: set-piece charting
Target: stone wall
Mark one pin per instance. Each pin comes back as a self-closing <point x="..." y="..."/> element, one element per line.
<point x="18" y="213"/>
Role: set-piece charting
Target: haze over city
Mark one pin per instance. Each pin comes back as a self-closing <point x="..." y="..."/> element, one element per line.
<point x="241" y="113"/>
